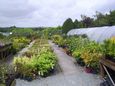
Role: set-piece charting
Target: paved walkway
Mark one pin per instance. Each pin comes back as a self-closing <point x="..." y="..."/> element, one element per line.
<point x="71" y="75"/>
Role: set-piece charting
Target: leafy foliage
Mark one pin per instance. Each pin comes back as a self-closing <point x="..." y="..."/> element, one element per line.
<point x="57" y="39"/>
<point x="85" y="51"/>
<point x="41" y="62"/>
<point x="109" y="47"/>
<point x="19" y="42"/>
<point x="98" y="20"/>
<point x="91" y="54"/>
<point x="5" y="71"/>
<point x="67" y="25"/>
<point x="111" y="18"/>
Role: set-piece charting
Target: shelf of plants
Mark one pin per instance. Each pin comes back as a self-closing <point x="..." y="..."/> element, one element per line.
<point x="5" y="50"/>
<point x="87" y="53"/>
<point x="38" y="61"/>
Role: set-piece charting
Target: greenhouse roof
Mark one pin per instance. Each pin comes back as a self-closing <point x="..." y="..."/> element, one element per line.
<point x="98" y="34"/>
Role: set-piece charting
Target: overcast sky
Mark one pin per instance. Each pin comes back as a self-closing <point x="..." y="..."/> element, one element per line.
<point x="31" y="13"/>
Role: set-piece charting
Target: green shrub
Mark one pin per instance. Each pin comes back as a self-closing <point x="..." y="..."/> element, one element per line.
<point x="46" y="62"/>
<point x="19" y="42"/>
<point x="91" y="55"/>
<point x="77" y="54"/>
<point x="109" y="47"/>
<point x="23" y="65"/>
<point x="85" y="51"/>
<point x="74" y="43"/>
<point x="57" y="39"/>
<point x="41" y="62"/>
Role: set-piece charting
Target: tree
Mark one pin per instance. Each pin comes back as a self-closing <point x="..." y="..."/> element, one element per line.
<point x="50" y="31"/>
<point x="112" y="18"/>
<point x="76" y="24"/>
<point x="26" y="32"/>
<point x="101" y="20"/>
<point x="87" y="21"/>
<point x="67" y="25"/>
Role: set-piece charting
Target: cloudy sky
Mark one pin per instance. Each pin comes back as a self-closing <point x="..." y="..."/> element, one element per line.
<point x="33" y="13"/>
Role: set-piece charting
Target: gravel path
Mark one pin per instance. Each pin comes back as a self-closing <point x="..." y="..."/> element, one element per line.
<point x="71" y="75"/>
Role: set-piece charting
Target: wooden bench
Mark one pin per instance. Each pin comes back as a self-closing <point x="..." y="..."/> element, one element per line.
<point x="107" y="68"/>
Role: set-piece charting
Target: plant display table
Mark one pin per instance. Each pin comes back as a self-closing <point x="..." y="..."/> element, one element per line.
<point x="5" y="50"/>
<point x="107" y="69"/>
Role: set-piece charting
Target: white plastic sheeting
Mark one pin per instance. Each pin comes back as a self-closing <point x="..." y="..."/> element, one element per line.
<point x="98" y="34"/>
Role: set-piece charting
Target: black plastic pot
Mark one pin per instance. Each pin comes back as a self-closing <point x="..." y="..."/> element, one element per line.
<point x="21" y="76"/>
<point x="111" y="58"/>
<point x="69" y="53"/>
<point x="94" y="71"/>
<point x="27" y="78"/>
<point x="64" y="46"/>
<point x="59" y="46"/>
<point x="9" y="80"/>
<point x="52" y="70"/>
<point x="80" y="62"/>
<point x="109" y="81"/>
<point x="104" y="83"/>
<point x="17" y="75"/>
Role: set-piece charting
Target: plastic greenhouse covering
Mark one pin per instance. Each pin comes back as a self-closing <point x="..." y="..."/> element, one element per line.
<point x="98" y="34"/>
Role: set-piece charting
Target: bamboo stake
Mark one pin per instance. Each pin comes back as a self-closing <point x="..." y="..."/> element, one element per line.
<point x="109" y="75"/>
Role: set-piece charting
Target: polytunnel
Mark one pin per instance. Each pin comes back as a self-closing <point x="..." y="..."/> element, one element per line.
<point x="98" y="34"/>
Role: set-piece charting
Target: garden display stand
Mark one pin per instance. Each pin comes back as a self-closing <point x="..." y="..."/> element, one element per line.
<point x="107" y="69"/>
<point x="4" y="50"/>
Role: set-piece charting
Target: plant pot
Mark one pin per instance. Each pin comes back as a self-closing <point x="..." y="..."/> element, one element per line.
<point x="64" y="46"/>
<point x="17" y="75"/>
<point x="27" y="78"/>
<point x="52" y="70"/>
<point x="94" y="71"/>
<point x="21" y="76"/>
<point x="88" y="70"/>
<point x="68" y="53"/>
<point x="59" y="46"/>
<point x="109" y="81"/>
<point x="80" y="62"/>
<point x="111" y="58"/>
<point x="10" y="80"/>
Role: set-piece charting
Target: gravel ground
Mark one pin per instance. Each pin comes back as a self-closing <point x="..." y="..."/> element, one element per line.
<point x="71" y="75"/>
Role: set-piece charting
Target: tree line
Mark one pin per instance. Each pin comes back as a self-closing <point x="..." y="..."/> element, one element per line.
<point x="98" y="20"/>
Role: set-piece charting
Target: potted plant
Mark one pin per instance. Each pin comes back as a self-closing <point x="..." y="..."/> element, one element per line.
<point x="109" y="49"/>
<point x="88" y="69"/>
<point x="6" y="77"/>
<point x="91" y="56"/>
